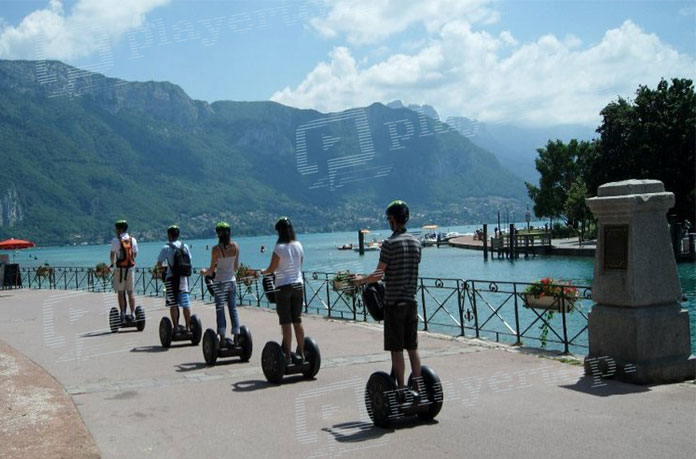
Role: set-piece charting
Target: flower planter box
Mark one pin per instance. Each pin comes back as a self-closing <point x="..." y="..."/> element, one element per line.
<point x="549" y="303"/>
<point x="343" y="286"/>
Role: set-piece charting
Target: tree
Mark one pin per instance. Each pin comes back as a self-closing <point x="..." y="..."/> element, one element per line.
<point x="561" y="170"/>
<point x="653" y="137"/>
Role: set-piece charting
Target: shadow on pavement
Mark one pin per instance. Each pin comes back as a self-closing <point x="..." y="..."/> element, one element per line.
<point x="95" y="333"/>
<point x="604" y="387"/>
<point x="251" y="385"/>
<point x="152" y="349"/>
<point x="354" y="432"/>
<point x="357" y="431"/>
<point x="257" y="384"/>
<point x="184" y="367"/>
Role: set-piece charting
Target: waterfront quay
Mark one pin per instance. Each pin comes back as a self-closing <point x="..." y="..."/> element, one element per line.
<point x="137" y="399"/>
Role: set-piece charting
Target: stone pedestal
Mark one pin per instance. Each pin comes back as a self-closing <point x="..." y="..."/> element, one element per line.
<point x="637" y="331"/>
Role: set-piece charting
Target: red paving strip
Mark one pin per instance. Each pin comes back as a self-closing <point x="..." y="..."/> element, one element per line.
<point x="37" y="417"/>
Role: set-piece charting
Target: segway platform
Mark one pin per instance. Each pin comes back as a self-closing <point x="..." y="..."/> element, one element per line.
<point x="386" y="403"/>
<point x="169" y="333"/>
<point x="275" y="368"/>
<point x="213" y="349"/>
<point x="136" y="321"/>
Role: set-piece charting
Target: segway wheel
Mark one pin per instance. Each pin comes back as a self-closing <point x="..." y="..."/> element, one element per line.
<point x="246" y="342"/>
<point x="313" y="356"/>
<point x="380" y="398"/>
<point x="139" y="318"/>
<point x="433" y="389"/>
<point x="166" y="332"/>
<point x="273" y="362"/>
<point x="211" y="344"/>
<point x="196" y="330"/>
<point x="114" y="320"/>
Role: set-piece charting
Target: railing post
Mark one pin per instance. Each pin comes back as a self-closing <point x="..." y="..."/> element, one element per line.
<point x="517" y="314"/>
<point x="485" y="245"/>
<point x="565" y="329"/>
<point x="473" y="305"/>
<point x="304" y="293"/>
<point x="533" y="251"/>
<point x="461" y="309"/>
<point x="425" y="312"/>
<point x="328" y="292"/>
<point x="355" y="316"/>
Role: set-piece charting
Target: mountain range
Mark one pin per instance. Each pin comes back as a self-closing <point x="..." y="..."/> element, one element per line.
<point x="80" y="150"/>
<point x="514" y="145"/>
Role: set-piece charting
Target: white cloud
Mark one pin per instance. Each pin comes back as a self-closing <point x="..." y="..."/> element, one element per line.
<point x="369" y="21"/>
<point x="476" y="74"/>
<point x="52" y="34"/>
<point x="688" y="11"/>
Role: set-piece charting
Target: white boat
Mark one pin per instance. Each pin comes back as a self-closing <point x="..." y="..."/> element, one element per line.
<point x="429" y="240"/>
<point x="452" y="235"/>
<point x="369" y="247"/>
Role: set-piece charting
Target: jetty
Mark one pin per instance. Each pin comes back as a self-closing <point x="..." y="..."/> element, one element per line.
<point x="566" y="247"/>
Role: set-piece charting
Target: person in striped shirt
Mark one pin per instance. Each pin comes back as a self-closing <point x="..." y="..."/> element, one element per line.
<point x="398" y="265"/>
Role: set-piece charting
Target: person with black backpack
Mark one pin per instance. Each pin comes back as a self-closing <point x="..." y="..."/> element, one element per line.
<point x="178" y="258"/>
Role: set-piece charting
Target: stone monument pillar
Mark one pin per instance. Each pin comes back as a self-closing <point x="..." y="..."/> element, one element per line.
<point x="637" y="330"/>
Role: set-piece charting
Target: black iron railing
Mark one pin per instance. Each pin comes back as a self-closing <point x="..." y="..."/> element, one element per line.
<point x="492" y="310"/>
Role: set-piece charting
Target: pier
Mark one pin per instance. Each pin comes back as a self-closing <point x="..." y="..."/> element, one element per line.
<point x="523" y="243"/>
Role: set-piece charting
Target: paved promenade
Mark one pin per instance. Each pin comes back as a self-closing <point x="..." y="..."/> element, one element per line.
<point x="138" y="400"/>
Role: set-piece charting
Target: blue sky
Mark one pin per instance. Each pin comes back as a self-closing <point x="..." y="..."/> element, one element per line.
<point x="524" y="62"/>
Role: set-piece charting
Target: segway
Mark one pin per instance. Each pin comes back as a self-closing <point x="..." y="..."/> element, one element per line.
<point x="213" y="349"/>
<point x="168" y="333"/>
<point x="385" y="402"/>
<point x="275" y="367"/>
<point x="129" y="321"/>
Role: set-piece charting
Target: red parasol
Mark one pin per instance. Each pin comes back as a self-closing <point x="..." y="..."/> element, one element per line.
<point x="15" y="244"/>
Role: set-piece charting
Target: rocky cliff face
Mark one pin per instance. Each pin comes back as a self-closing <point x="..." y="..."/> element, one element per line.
<point x="162" y="101"/>
<point x="10" y="209"/>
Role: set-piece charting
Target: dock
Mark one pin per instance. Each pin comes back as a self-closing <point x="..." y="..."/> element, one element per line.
<point x="565" y="247"/>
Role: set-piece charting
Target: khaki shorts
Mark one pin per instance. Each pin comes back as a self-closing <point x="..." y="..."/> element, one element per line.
<point x="122" y="279"/>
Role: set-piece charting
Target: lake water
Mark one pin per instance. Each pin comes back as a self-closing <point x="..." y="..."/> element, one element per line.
<point x="321" y="255"/>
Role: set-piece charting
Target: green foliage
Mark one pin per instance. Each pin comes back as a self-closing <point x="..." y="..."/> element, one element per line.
<point x="575" y="208"/>
<point x="652" y="137"/>
<point x="148" y="152"/>
<point x="559" y="194"/>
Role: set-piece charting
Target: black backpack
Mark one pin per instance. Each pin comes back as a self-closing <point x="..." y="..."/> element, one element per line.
<point x="373" y="297"/>
<point x="182" y="262"/>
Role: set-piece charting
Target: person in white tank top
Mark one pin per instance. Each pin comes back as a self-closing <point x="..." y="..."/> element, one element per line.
<point x="224" y="263"/>
<point x="286" y="264"/>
